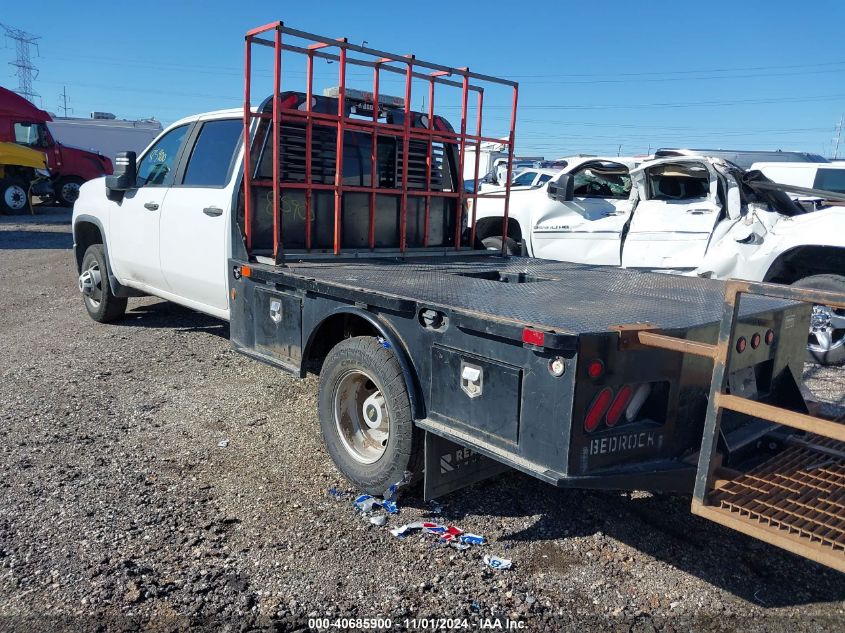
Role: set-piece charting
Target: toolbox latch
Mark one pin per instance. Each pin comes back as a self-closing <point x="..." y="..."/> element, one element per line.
<point x="472" y="379"/>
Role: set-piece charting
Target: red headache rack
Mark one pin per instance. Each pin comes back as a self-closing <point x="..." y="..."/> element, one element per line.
<point x="408" y="128"/>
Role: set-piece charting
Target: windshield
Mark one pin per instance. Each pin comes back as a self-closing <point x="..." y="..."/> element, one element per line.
<point x="830" y="180"/>
<point x="31" y="134"/>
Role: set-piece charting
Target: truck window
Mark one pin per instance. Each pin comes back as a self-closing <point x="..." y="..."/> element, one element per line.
<point x="678" y="182"/>
<point x="157" y="165"/>
<point x="31" y="134"/>
<point x="594" y="181"/>
<point x="525" y="179"/>
<point x="830" y="180"/>
<point x="213" y="153"/>
<point x="357" y="171"/>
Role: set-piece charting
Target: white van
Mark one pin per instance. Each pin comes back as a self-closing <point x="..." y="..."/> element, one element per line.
<point x="826" y="176"/>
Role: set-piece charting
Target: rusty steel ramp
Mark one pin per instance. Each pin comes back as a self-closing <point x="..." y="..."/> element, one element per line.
<point x="794" y="500"/>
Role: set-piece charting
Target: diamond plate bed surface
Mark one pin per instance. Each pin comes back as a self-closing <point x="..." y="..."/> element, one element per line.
<point x="569" y="297"/>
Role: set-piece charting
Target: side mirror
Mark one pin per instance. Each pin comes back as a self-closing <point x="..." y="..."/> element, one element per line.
<point x="125" y="172"/>
<point x="562" y="189"/>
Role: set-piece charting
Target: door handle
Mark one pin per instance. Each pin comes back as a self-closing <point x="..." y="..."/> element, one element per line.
<point x="213" y="211"/>
<point x="152" y="206"/>
<point x="699" y="211"/>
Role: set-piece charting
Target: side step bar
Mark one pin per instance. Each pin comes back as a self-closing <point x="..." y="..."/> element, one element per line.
<point x="795" y="500"/>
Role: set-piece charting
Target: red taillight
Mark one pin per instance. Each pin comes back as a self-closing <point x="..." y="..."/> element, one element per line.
<point x="770" y="337"/>
<point x="595" y="369"/>
<point x="533" y="337"/>
<point x="597" y="410"/>
<point x="755" y="341"/>
<point x="623" y="397"/>
<point x="741" y="344"/>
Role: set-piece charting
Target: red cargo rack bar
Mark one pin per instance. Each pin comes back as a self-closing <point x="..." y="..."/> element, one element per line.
<point x="410" y="68"/>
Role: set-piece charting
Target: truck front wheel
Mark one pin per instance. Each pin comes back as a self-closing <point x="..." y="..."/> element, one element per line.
<point x="826" y="341"/>
<point x="67" y="190"/>
<point x="365" y="415"/>
<point x="101" y="304"/>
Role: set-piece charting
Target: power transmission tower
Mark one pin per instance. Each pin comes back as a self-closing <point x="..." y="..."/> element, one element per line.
<point x="26" y="72"/>
<point x="838" y="136"/>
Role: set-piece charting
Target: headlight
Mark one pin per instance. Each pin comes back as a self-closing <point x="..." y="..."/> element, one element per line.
<point x="43" y="173"/>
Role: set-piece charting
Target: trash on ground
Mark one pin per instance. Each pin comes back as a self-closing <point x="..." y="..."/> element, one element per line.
<point x="223" y="443"/>
<point x="378" y="520"/>
<point x="447" y="533"/>
<point x="494" y="562"/>
<point x="337" y="494"/>
<point x="393" y="490"/>
<point x="366" y="503"/>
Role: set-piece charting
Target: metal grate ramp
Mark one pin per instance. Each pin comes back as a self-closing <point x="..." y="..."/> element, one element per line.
<point x="794" y="500"/>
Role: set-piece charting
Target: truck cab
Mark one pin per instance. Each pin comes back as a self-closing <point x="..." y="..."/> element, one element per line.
<point x="23" y="123"/>
<point x="168" y="233"/>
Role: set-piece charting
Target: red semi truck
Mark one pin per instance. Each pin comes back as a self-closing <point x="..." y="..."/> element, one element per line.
<point x="23" y="123"/>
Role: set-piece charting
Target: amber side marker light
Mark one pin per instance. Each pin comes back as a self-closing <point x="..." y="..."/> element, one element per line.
<point x="246" y="271"/>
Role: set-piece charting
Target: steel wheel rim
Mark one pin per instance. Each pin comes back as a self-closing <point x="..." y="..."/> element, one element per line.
<point x="70" y="191"/>
<point x="91" y="285"/>
<point x="361" y="417"/>
<point x="824" y="325"/>
<point x="15" y="197"/>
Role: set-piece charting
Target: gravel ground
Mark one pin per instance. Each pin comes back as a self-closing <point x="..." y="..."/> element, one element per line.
<point x="119" y="510"/>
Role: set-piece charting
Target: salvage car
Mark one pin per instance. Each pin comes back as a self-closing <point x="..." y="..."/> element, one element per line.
<point x="690" y="215"/>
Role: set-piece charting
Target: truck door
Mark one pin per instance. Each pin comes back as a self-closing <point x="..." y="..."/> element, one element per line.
<point x="678" y="209"/>
<point x="587" y="229"/>
<point x="134" y="230"/>
<point x="195" y="219"/>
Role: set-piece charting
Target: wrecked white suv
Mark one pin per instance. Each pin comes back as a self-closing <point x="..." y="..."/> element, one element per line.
<point x="687" y="215"/>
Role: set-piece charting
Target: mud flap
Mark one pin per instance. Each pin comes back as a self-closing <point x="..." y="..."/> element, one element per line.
<point x="450" y="467"/>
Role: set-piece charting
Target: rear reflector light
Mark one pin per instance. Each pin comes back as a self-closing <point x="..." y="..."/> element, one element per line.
<point x="533" y="337"/>
<point x="616" y="409"/>
<point x="597" y="409"/>
<point x="246" y="271"/>
<point x="741" y="344"/>
<point x="755" y="341"/>
<point x="770" y="337"/>
<point x="640" y="396"/>
<point x="595" y="369"/>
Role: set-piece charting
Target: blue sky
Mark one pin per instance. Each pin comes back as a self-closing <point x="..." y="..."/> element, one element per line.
<point x="593" y="76"/>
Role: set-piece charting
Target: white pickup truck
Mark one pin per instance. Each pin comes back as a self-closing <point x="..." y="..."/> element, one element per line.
<point x="689" y="215"/>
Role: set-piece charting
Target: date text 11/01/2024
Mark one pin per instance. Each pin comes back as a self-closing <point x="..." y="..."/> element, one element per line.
<point x="417" y="624"/>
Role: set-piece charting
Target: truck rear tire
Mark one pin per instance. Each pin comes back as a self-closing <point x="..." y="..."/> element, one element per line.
<point x="365" y="415"/>
<point x="14" y="196"/>
<point x="826" y="340"/>
<point x="67" y="190"/>
<point x="101" y="304"/>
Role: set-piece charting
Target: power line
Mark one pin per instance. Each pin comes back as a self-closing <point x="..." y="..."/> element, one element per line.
<point x="26" y="71"/>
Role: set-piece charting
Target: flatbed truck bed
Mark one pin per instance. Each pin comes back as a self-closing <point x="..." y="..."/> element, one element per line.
<point x="564" y="298"/>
